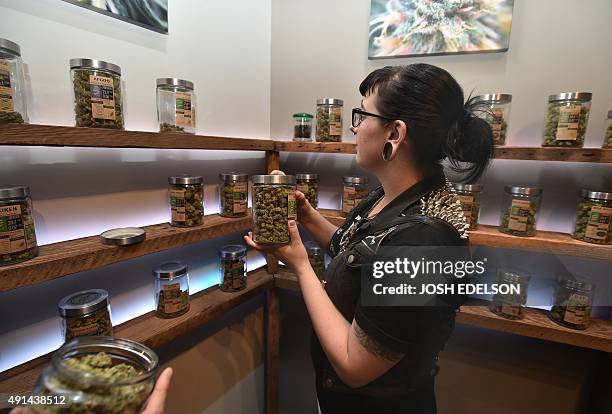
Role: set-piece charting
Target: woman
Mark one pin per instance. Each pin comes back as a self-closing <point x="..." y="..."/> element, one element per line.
<point x="382" y="359"/>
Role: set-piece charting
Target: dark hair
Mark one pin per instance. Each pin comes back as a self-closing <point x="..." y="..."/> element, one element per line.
<point x="440" y="125"/>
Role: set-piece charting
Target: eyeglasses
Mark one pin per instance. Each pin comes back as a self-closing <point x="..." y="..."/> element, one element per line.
<point x="360" y="114"/>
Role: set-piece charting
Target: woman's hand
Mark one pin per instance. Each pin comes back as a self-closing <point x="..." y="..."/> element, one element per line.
<point x="304" y="208"/>
<point x="293" y="254"/>
<point x="157" y="400"/>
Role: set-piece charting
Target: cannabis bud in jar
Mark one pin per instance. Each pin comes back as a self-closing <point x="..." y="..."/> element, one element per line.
<point x="329" y="120"/>
<point x="511" y="305"/>
<point x="273" y="206"/>
<point x="519" y="217"/>
<point x="608" y="137"/>
<point x="175" y="105"/>
<point x="233" y="194"/>
<point x="572" y="303"/>
<point x="497" y="114"/>
<point x="85" y="313"/>
<point x="171" y="289"/>
<point x="355" y="189"/>
<point x="594" y="217"/>
<point x="17" y="230"/>
<point x="186" y="200"/>
<point x="233" y="260"/>
<point x="316" y="258"/>
<point x="13" y="102"/>
<point x="308" y="184"/>
<point x="302" y="127"/>
<point x="567" y="118"/>
<point x="469" y="196"/>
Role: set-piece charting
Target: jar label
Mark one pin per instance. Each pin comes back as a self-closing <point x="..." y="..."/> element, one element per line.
<point x="85" y="330"/>
<point x="348" y="199"/>
<point x="512" y="310"/>
<point x="184" y="115"/>
<point x="177" y="204"/>
<point x="599" y="223"/>
<point x="467" y="202"/>
<point x="577" y="310"/>
<point x="291" y="205"/>
<point x="569" y="119"/>
<point x="303" y="188"/>
<point x="335" y="121"/>
<point x="6" y="91"/>
<point x="172" y="298"/>
<point x="240" y="197"/>
<point x="102" y="97"/>
<point x="519" y="215"/>
<point x="12" y="230"/>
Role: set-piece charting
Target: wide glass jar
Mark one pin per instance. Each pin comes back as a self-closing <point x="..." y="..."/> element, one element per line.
<point x="511" y="305"/>
<point x="175" y="105"/>
<point x="97" y="93"/>
<point x="171" y="289"/>
<point x="316" y="258"/>
<point x="608" y="136"/>
<point x="353" y="191"/>
<point x="85" y="313"/>
<point x="13" y="100"/>
<point x="329" y="120"/>
<point x="594" y="217"/>
<point x="498" y="114"/>
<point x="520" y="214"/>
<point x="273" y="206"/>
<point x="233" y="193"/>
<point x="302" y="127"/>
<point x="309" y="185"/>
<point x="17" y="230"/>
<point x="567" y="119"/>
<point x="186" y="195"/>
<point x="469" y="196"/>
<point x="97" y="375"/>
<point x="233" y="265"/>
<point x="572" y="302"/>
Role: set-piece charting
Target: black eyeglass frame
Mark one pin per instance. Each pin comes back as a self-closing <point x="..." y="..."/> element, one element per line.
<point x="362" y="112"/>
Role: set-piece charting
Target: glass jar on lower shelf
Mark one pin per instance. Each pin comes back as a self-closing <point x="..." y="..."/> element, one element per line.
<point x="233" y="193"/>
<point x="175" y="105"/>
<point x="511" y="305"/>
<point x="608" y="135"/>
<point x="273" y="206"/>
<point x="567" y="119"/>
<point x="97" y="375"/>
<point x="85" y="313"/>
<point x="497" y="114"/>
<point x="186" y="200"/>
<point x="353" y="191"/>
<point x="309" y="185"/>
<point x="519" y="217"/>
<point x="13" y="101"/>
<point x="233" y="259"/>
<point x="171" y="289"/>
<point x="316" y="258"/>
<point x="16" y="225"/>
<point x="594" y="217"/>
<point x="469" y="196"/>
<point x="572" y="302"/>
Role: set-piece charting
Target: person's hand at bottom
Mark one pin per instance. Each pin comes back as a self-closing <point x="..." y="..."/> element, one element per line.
<point x="157" y="400"/>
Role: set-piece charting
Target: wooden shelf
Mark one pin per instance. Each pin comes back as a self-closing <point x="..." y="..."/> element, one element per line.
<point x="324" y="147"/>
<point x="152" y="331"/>
<point x="596" y="155"/>
<point x="535" y="323"/>
<point x="65" y="258"/>
<point x="544" y="241"/>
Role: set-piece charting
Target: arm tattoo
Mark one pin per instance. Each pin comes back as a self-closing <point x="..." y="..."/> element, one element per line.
<point x="373" y="346"/>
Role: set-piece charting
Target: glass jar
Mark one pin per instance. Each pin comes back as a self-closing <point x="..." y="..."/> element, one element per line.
<point x="594" y="217"/>
<point x="572" y="303"/>
<point x="97" y="375"/>
<point x="85" y="313"/>
<point x="469" y="196"/>
<point x="511" y="305"/>
<point x="309" y="185"/>
<point x="302" y="127"/>
<point x="171" y="289"/>
<point x="186" y="195"/>
<point x="97" y="93"/>
<point x="233" y="195"/>
<point x="273" y="205"/>
<point x="608" y="137"/>
<point x="175" y="105"/>
<point x="567" y="118"/>
<point x="233" y="264"/>
<point x="329" y="120"/>
<point x="316" y="258"/>
<point x="354" y="190"/>
<point x="13" y="101"/>
<point x="519" y="217"/>
<point x="17" y="230"/>
<point x="498" y="114"/>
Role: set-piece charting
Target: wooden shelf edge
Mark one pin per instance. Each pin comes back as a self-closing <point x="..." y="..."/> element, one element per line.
<point x="149" y="330"/>
<point x="593" y="155"/>
<point x="73" y="256"/>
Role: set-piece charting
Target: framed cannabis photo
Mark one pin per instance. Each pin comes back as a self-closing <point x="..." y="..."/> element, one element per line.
<point x="402" y="28"/>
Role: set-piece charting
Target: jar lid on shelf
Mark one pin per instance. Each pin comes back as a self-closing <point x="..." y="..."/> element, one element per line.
<point x="306" y="176"/>
<point x="232" y="176"/>
<point x="330" y="101"/>
<point x="80" y="63"/>
<point x="185" y="179"/>
<point x="597" y="195"/>
<point x="571" y="96"/>
<point x="170" y="270"/>
<point x="495" y="97"/>
<point x="123" y="236"/>
<point x="274" y="179"/>
<point x="8" y="191"/>
<point x="519" y="190"/>
<point x="470" y="188"/>
<point x="9" y="46"/>
<point x="174" y="82"/>
<point x="303" y="115"/>
<point x="355" y="180"/>
<point x="83" y="302"/>
<point x="232" y="251"/>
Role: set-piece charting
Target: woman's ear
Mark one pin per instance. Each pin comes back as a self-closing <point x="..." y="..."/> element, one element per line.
<point x="398" y="132"/>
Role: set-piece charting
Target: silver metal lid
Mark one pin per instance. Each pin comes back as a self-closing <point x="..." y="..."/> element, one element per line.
<point x="94" y="64"/>
<point x="495" y="97"/>
<point x="598" y="195"/>
<point x="8" y="191"/>
<point x="83" y="302"/>
<point x="123" y="236"/>
<point x="355" y="180"/>
<point x="232" y="176"/>
<point x="306" y="176"/>
<point x="170" y="270"/>
<point x="185" y="179"/>
<point x="571" y="96"/>
<point x="313" y="248"/>
<point x="174" y="82"/>
<point x="9" y="46"/>
<point x="330" y="101"/>
<point x="232" y="251"/>
<point x="470" y="188"/>
<point x="575" y="284"/>
<point x="274" y="179"/>
<point x="518" y="190"/>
